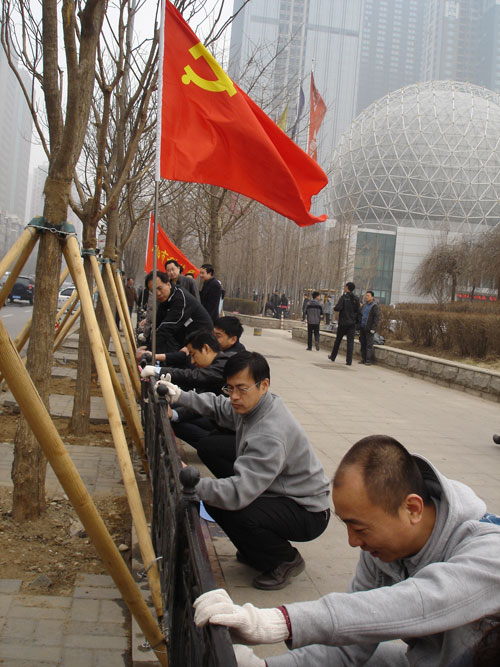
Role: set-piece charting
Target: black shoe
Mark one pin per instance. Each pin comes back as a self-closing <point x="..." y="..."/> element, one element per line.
<point x="348" y="363"/>
<point x="361" y="362"/>
<point x="280" y="575"/>
<point x="308" y="349"/>
<point x="317" y="346"/>
<point x="368" y="363"/>
<point x="331" y="358"/>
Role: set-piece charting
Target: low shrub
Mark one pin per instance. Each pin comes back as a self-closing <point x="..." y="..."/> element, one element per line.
<point x="469" y="334"/>
<point x="243" y="306"/>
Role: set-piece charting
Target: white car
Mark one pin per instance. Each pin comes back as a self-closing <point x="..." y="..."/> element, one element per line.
<point x="64" y="295"/>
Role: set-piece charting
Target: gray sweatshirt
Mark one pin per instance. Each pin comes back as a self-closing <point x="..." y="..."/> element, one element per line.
<point x="451" y="582"/>
<point x="273" y="455"/>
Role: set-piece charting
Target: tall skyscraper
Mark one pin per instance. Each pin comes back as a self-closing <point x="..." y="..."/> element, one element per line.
<point x="274" y="47"/>
<point x="391" y="48"/>
<point x="489" y="46"/>
<point x="15" y="142"/>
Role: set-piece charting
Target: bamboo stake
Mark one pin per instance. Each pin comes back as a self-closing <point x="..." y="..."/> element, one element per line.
<point x="63" y="331"/>
<point x="16" y="249"/>
<point x="72" y="255"/>
<point x="39" y="420"/>
<point x="123" y="298"/>
<point x="135" y="422"/>
<point x="127" y="372"/>
<point x="17" y="268"/>
<point x="131" y="349"/>
<point x="122" y="309"/>
<point x="126" y="409"/>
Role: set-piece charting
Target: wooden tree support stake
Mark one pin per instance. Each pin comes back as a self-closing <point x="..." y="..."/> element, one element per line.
<point x="39" y="420"/>
<point x="73" y="259"/>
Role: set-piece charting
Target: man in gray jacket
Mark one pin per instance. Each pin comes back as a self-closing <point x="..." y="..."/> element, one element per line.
<point x="427" y="574"/>
<point x="278" y="490"/>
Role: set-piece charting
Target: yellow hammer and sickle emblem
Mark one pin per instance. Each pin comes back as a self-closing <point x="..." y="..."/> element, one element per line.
<point x="219" y="85"/>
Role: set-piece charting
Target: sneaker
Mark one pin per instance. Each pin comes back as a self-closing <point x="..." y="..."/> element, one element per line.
<point x="279" y="576"/>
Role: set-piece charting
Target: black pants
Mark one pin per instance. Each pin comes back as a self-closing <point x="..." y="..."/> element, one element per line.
<point x="312" y="328"/>
<point x="349" y="333"/>
<point x="216" y="448"/>
<point x="327" y="318"/>
<point x="262" y="529"/>
<point x="193" y="430"/>
<point x="366" y="343"/>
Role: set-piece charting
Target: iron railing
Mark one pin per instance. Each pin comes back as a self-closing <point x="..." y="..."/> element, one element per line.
<point x="185" y="571"/>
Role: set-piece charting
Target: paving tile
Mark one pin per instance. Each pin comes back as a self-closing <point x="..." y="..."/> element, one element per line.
<point x="24" y="652"/>
<point x="97" y="643"/>
<point x="93" y="593"/>
<point x="10" y="585"/>
<point x="17" y="628"/>
<point x="77" y="657"/>
<point x="85" y="610"/>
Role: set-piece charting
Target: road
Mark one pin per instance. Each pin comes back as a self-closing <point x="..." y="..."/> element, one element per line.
<point x="15" y="316"/>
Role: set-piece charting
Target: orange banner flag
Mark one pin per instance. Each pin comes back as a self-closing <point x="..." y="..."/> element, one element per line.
<point x="318" y="110"/>
<point x="165" y="250"/>
<point x="212" y="132"/>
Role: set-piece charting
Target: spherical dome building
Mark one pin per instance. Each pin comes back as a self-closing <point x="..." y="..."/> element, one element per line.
<point x="425" y="156"/>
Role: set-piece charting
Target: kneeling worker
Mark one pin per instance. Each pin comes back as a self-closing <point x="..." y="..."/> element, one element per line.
<point x="427" y="573"/>
<point x="278" y="490"/>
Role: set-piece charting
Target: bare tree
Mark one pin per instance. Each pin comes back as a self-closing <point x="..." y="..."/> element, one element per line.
<point x="35" y="41"/>
<point x="438" y="273"/>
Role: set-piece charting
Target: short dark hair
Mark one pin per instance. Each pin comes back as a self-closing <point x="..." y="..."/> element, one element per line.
<point x="390" y="473"/>
<point x="230" y="324"/>
<point x="255" y="362"/>
<point x="350" y="286"/>
<point x="208" y="268"/>
<point x="198" y="339"/>
<point x="315" y="294"/>
<point x="369" y="291"/>
<point x="173" y="261"/>
<point x="148" y="279"/>
<point x="163" y="277"/>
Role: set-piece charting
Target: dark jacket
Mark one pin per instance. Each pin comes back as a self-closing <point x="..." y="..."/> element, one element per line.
<point x="210" y="297"/>
<point x="373" y="318"/>
<point x="313" y="312"/>
<point x="189" y="285"/>
<point x="210" y="378"/>
<point x="348" y="309"/>
<point x="176" y="318"/>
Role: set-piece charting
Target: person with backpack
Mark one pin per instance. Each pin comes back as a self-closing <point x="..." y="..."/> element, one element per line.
<point x="349" y="312"/>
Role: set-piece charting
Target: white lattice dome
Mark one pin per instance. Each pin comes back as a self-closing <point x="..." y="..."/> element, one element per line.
<point x="426" y="155"/>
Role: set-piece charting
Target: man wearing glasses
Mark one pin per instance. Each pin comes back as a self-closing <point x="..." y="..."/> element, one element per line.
<point x="278" y="490"/>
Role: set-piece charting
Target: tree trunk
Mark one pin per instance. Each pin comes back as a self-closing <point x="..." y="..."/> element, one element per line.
<point x="80" y="418"/>
<point x="29" y="466"/>
<point x="214" y="238"/>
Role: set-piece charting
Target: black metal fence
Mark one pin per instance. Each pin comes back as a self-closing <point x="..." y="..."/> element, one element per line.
<point x="184" y="566"/>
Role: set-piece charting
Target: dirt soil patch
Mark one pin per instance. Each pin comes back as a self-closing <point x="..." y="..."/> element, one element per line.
<point x="56" y="544"/>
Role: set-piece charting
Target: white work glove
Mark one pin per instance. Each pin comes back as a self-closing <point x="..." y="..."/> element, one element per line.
<point x="148" y="372"/>
<point x="245" y="657"/>
<point x="141" y="337"/>
<point x="174" y="391"/>
<point x="247" y="624"/>
<point x="372" y="331"/>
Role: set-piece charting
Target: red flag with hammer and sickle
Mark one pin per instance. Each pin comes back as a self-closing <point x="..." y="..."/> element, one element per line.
<point x="212" y="132"/>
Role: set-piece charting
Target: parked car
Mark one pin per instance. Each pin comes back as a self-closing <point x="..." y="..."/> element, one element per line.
<point x="64" y="295"/>
<point x="23" y="289"/>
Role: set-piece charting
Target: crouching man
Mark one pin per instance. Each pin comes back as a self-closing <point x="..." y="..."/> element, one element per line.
<point x="427" y="573"/>
<point x="278" y="490"/>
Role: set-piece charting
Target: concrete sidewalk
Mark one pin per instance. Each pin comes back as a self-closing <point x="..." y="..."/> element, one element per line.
<point x="339" y="404"/>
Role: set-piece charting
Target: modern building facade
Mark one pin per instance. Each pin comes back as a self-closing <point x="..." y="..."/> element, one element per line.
<point x="390" y="48"/>
<point x="420" y="165"/>
<point x="274" y="47"/>
<point x="15" y="142"/>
